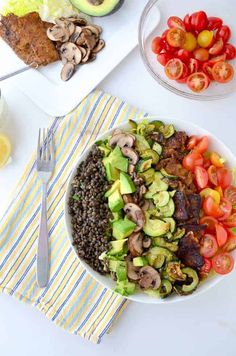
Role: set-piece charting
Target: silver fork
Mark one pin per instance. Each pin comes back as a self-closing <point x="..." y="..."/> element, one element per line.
<point x="45" y="167"/>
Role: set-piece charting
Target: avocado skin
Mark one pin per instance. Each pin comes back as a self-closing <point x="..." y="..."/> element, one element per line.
<point x="118" y="6"/>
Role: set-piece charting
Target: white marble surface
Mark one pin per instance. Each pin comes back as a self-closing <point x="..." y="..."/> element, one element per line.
<point x="203" y="326"/>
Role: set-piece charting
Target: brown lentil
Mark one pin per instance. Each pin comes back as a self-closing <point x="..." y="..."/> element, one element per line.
<point x="89" y="210"/>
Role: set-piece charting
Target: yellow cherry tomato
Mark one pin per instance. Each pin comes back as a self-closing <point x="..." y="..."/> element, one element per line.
<point x="220" y="191"/>
<point x="217" y="160"/>
<point x="204" y="38"/>
<point x="208" y="192"/>
<point x="190" y="42"/>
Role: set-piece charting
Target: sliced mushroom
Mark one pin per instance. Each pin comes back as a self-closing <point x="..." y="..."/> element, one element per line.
<point x="131" y="154"/>
<point x="127" y="198"/>
<point x="132" y="271"/>
<point x="135" y="213"/>
<point x="71" y="53"/>
<point x="92" y="57"/>
<point x="131" y="169"/>
<point x="149" y="278"/>
<point x="86" y="58"/>
<point x="76" y="34"/>
<point x="117" y="131"/>
<point x="135" y="244"/>
<point x="77" y="20"/>
<point x="146" y="205"/>
<point x="56" y="33"/>
<point x="147" y="241"/>
<point x="99" y="46"/>
<point x="93" y="29"/>
<point x="83" y="51"/>
<point x="67" y="71"/>
<point x="122" y="140"/>
<point x="141" y="191"/>
<point x="90" y="40"/>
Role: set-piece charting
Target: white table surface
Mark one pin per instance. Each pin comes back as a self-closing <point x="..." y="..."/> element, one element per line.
<point x="203" y="326"/>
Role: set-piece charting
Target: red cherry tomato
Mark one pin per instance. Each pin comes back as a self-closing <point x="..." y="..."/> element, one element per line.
<point x="175" y="21"/>
<point x="211" y="208"/>
<point x="184" y="55"/>
<point x="231" y="244"/>
<point x="201" y="54"/>
<point x="187" y="22"/>
<point x="214" y="23"/>
<point x="199" y="21"/>
<point x="217" y="47"/>
<point x="209" y="246"/>
<point x="223" y="263"/>
<point x="221" y="235"/>
<point x="169" y="49"/>
<point x="210" y="223"/>
<point x="192" y="160"/>
<point x="202" y="145"/>
<point x="231" y="221"/>
<point x="198" y="82"/>
<point x="230" y="194"/>
<point x="224" y="177"/>
<point x="217" y="59"/>
<point x="201" y="177"/>
<point x="222" y="72"/>
<point x="207" y="69"/>
<point x="226" y="208"/>
<point x="206" y="163"/>
<point x="157" y="45"/>
<point x="175" y="37"/>
<point x="192" y="142"/>
<point x="174" y="68"/>
<point x="230" y="51"/>
<point x="163" y="58"/>
<point x="184" y="75"/>
<point x="223" y="32"/>
<point x="220" y="191"/>
<point x="212" y="174"/>
<point x="163" y="36"/>
<point x="206" y="268"/>
<point x="194" y="65"/>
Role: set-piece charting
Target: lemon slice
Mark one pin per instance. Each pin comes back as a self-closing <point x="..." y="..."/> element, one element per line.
<point x="5" y="150"/>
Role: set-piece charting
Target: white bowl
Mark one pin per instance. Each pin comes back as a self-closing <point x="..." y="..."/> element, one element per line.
<point x="106" y="281"/>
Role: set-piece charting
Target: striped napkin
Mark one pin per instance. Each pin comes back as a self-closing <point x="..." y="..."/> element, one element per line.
<point x="73" y="299"/>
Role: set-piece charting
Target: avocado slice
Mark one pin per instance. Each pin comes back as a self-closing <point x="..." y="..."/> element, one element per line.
<point x="115" y="186"/>
<point x="126" y="184"/>
<point x="117" y="160"/>
<point x="117" y="246"/>
<point x="155" y="227"/>
<point x="97" y="7"/>
<point x="114" y="264"/>
<point x="122" y="228"/>
<point x="112" y="174"/>
<point x="115" y="201"/>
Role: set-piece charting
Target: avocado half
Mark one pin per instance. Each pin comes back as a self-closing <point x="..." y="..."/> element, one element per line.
<point x="98" y="7"/>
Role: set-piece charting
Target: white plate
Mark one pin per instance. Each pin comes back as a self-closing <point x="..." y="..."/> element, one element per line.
<point x="57" y="98"/>
<point x="191" y="129"/>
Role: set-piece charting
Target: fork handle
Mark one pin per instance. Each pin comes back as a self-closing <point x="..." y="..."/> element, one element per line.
<point x="42" y="253"/>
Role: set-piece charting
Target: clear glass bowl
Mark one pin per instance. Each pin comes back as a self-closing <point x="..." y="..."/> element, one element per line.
<point x="153" y="22"/>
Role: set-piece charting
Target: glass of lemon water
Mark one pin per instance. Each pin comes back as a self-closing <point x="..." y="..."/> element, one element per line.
<point x="5" y="145"/>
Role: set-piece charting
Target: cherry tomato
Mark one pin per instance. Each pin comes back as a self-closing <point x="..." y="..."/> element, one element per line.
<point x="199" y="21"/>
<point x="175" y="21"/>
<point x="231" y="244"/>
<point x="205" y="38"/>
<point x="217" y="59"/>
<point x="192" y="142"/>
<point x="224" y="33"/>
<point x="201" y="177"/>
<point x="230" y="51"/>
<point x="174" y="68"/>
<point x="198" y="82"/>
<point x="220" y="191"/>
<point x="187" y="22"/>
<point x="224" y="177"/>
<point x="208" y="192"/>
<point x="209" y="246"/>
<point x="211" y="208"/>
<point x="184" y="55"/>
<point x="231" y="221"/>
<point x="214" y="23"/>
<point x="206" y="163"/>
<point x="184" y="75"/>
<point x="192" y="160"/>
<point x="222" y="72"/>
<point x="175" y="37"/>
<point x="206" y="268"/>
<point x="212" y="174"/>
<point x="223" y="263"/>
<point x="230" y="194"/>
<point x="217" y="47"/>
<point x="226" y="208"/>
<point x="207" y="69"/>
<point x="190" y="42"/>
<point x="201" y="54"/>
<point x="163" y="58"/>
<point x="157" y="45"/>
<point x="202" y="145"/>
<point x="194" y="65"/>
<point x="169" y="49"/>
<point x="210" y="223"/>
<point x="221" y="235"/>
<point x="216" y="160"/>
